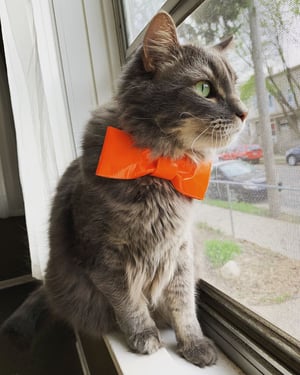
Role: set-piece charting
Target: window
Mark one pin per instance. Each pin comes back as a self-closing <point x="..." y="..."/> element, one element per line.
<point x="290" y="96"/>
<point x="263" y="272"/>
<point x="270" y="97"/>
<point x="248" y="232"/>
<point x="138" y="13"/>
<point x="260" y="291"/>
<point x="284" y="124"/>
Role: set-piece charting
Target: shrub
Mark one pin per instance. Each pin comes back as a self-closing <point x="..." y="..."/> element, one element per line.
<point x="220" y="252"/>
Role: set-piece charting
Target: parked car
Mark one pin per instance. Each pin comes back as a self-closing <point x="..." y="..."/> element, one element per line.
<point x="244" y="181"/>
<point x="252" y="153"/>
<point x="292" y="156"/>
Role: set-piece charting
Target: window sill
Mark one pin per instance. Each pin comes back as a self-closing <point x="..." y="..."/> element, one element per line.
<point x="253" y="343"/>
<point x="128" y="363"/>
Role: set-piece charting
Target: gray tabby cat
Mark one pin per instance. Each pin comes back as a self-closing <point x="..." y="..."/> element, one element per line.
<point x="121" y="250"/>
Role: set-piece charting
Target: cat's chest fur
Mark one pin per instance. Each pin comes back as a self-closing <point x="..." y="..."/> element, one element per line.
<point x="158" y="231"/>
<point x="147" y="224"/>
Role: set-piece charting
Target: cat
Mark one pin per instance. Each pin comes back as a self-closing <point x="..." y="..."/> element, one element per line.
<point x="121" y="252"/>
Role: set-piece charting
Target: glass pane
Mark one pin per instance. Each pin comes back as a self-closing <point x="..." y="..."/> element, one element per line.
<point x="137" y="14"/>
<point x="248" y="228"/>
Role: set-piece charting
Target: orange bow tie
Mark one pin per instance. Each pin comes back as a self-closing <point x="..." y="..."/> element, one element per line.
<point x="120" y="159"/>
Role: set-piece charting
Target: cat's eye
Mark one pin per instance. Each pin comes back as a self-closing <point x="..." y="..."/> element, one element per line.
<point x="203" y="88"/>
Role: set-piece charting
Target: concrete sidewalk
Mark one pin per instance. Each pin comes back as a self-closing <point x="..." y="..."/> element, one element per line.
<point x="277" y="235"/>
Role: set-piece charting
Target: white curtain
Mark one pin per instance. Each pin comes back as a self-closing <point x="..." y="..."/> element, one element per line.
<point x="62" y="60"/>
<point x="11" y="201"/>
<point x="44" y="136"/>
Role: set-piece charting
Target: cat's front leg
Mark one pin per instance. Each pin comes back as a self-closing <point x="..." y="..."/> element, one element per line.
<point x="139" y="328"/>
<point x="180" y="305"/>
<point x="132" y="314"/>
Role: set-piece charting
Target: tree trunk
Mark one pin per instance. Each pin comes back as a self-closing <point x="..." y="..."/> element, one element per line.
<point x="263" y="110"/>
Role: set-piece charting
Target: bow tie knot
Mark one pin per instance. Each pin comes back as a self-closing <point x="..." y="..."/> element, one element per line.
<point x="120" y="159"/>
<point x="165" y="168"/>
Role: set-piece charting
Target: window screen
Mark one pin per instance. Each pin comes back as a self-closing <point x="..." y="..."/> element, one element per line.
<point x="247" y="238"/>
<point x="137" y="14"/>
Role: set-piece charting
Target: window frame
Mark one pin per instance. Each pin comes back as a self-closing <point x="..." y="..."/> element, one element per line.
<point x="178" y="9"/>
<point x="254" y="344"/>
<point x="250" y="341"/>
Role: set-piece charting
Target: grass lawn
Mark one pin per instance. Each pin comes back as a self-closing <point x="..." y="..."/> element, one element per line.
<point x="251" y="209"/>
<point x="239" y="206"/>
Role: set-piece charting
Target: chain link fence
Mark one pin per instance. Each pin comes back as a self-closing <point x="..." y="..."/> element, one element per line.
<point x="252" y="198"/>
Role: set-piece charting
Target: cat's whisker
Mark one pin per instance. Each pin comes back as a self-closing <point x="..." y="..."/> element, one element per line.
<point x="218" y="138"/>
<point x="222" y="131"/>
<point x="215" y="138"/>
<point x="195" y="140"/>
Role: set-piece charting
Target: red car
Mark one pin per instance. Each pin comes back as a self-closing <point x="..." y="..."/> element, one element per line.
<point x="251" y="153"/>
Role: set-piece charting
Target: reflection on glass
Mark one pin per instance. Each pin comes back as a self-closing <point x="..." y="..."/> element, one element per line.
<point x="248" y="232"/>
<point x="236" y="168"/>
<point x="138" y="13"/>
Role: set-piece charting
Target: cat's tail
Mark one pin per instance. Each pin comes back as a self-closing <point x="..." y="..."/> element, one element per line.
<point x="24" y="323"/>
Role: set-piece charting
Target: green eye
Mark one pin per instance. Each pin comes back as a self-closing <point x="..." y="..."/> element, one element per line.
<point x="203" y="89"/>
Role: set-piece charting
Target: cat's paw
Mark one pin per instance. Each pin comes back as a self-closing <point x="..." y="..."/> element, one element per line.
<point x="146" y="342"/>
<point x="200" y="352"/>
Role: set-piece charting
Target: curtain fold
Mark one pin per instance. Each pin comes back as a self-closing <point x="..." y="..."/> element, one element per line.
<point x="11" y="200"/>
<point x="60" y="65"/>
<point x="44" y="148"/>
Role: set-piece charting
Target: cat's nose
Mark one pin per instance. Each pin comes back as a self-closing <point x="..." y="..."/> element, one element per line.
<point x="238" y="107"/>
<point x="242" y="114"/>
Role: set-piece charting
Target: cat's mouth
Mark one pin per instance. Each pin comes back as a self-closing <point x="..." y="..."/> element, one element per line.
<point x="222" y="132"/>
<point x="196" y="135"/>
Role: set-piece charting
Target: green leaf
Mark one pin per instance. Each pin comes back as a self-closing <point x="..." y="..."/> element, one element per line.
<point x="247" y="90"/>
<point x="220" y="252"/>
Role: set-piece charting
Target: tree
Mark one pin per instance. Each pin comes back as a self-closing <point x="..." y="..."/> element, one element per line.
<point x="216" y="20"/>
<point x="263" y="108"/>
<point x="277" y="17"/>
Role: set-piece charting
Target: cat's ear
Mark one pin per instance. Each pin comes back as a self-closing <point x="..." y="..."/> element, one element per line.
<point x="160" y="42"/>
<point x="225" y="44"/>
